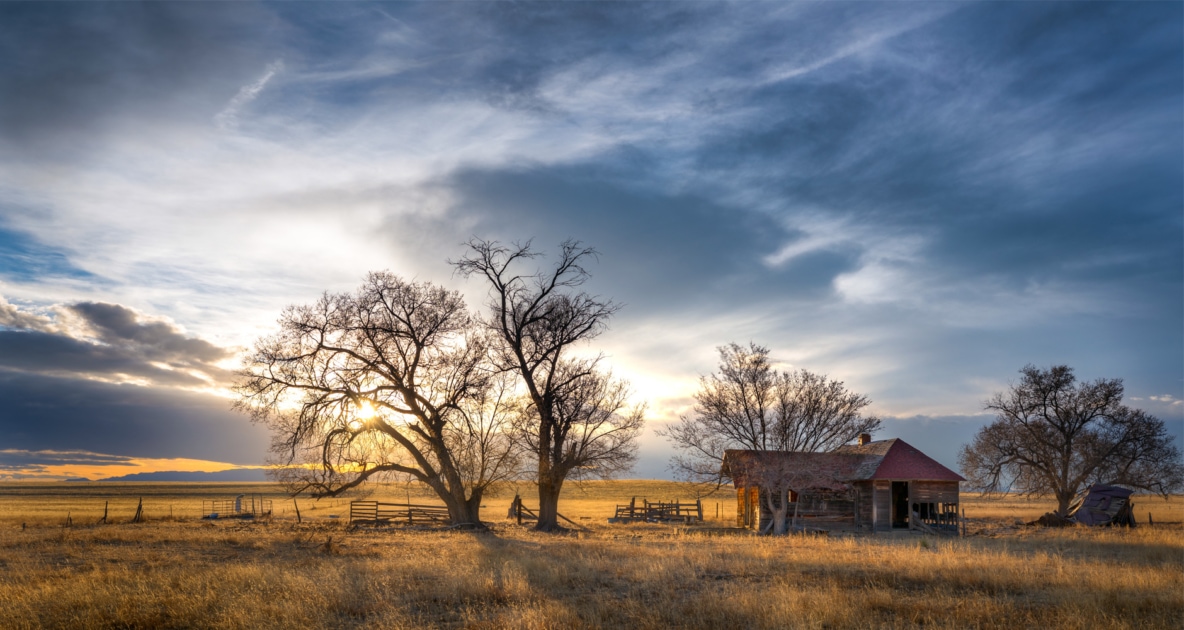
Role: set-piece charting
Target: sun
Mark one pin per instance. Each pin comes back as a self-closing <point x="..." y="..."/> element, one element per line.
<point x="365" y="410"/>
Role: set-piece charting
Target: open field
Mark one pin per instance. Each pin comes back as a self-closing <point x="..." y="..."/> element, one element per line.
<point x="52" y="503"/>
<point x="184" y="572"/>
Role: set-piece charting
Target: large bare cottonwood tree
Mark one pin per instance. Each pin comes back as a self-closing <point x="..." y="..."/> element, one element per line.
<point x="1055" y="435"/>
<point x="392" y="378"/>
<point x="577" y="422"/>
<point x="748" y="404"/>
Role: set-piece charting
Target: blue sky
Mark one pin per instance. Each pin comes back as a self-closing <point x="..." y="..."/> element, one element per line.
<point x="915" y="198"/>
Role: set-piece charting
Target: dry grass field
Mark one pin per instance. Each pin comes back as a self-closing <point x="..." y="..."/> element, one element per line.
<point x="176" y="570"/>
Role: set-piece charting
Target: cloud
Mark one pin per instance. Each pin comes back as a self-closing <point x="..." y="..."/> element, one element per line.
<point x="228" y="117"/>
<point x="12" y="317"/>
<point x="155" y="340"/>
<point x="93" y="384"/>
<point x="108" y="342"/>
<point x="62" y="413"/>
<point x="87" y="74"/>
<point x="39" y="461"/>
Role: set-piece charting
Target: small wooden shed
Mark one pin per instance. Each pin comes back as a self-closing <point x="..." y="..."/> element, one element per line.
<point x="873" y="486"/>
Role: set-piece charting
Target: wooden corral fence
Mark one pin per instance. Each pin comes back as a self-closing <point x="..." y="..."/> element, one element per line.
<point x="242" y="505"/>
<point x="522" y="513"/>
<point x="659" y="512"/>
<point x="409" y="513"/>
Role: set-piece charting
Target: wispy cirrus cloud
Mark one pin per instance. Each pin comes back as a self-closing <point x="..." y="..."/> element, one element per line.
<point x="228" y="117"/>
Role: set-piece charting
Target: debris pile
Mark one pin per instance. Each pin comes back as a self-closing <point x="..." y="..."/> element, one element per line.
<point x="1052" y="520"/>
<point x="1099" y="505"/>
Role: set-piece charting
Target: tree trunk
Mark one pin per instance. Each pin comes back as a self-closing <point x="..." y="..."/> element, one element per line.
<point x="548" y="504"/>
<point x="473" y="507"/>
<point x="780" y="510"/>
<point x="458" y="511"/>
<point x="1064" y="500"/>
<point x="764" y="515"/>
<point x="463" y="511"/>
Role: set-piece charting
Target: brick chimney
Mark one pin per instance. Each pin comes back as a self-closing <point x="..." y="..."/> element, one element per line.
<point x="864" y="438"/>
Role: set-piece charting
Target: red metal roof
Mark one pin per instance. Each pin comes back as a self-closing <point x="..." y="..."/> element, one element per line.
<point x="885" y="459"/>
<point x="902" y="461"/>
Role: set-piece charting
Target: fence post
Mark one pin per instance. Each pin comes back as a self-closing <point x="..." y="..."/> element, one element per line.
<point x="518" y="507"/>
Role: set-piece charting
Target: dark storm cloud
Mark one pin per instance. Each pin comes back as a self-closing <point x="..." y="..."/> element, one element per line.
<point x="57" y="392"/>
<point x="27" y="461"/>
<point x="39" y="413"/>
<point x="71" y="70"/>
<point x="48" y="353"/>
<point x="123" y="345"/>
<point x="157" y="341"/>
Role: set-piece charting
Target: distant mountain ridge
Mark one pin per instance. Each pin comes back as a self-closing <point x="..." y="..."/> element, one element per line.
<point x="234" y="474"/>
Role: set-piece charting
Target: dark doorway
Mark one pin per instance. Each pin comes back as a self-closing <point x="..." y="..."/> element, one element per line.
<point x="900" y="504"/>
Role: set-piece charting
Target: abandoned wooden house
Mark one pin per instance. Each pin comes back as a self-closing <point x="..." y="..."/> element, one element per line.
<point x="872" y="486"/>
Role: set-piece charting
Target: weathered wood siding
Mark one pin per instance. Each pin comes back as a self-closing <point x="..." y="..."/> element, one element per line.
<point x="863" y="503"/>
<point x="933" y="492"/>
<point x="825" y="509"/>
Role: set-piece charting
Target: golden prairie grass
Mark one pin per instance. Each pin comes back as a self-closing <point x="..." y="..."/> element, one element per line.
<point x="184" y="572"/>
<point x="51" y="503"/>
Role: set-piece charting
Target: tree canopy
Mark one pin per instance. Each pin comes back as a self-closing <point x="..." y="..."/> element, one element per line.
<point x="392" y="378"/>
<point x="577" y="422"/>
<point x="1056" y="435"/>
<point x="748" y="404"/>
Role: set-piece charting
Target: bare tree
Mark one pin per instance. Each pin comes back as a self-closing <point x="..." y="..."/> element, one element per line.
<point x="393" y="378"/>
<point x="575" y="422"/>
<point x="779" y="494"/>
<point x="1055" y="435"/>
<point x="748" y="404"/>
<point x="595" y="430"/>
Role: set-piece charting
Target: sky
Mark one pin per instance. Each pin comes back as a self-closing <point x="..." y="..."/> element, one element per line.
<point x="917" y="199"/>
